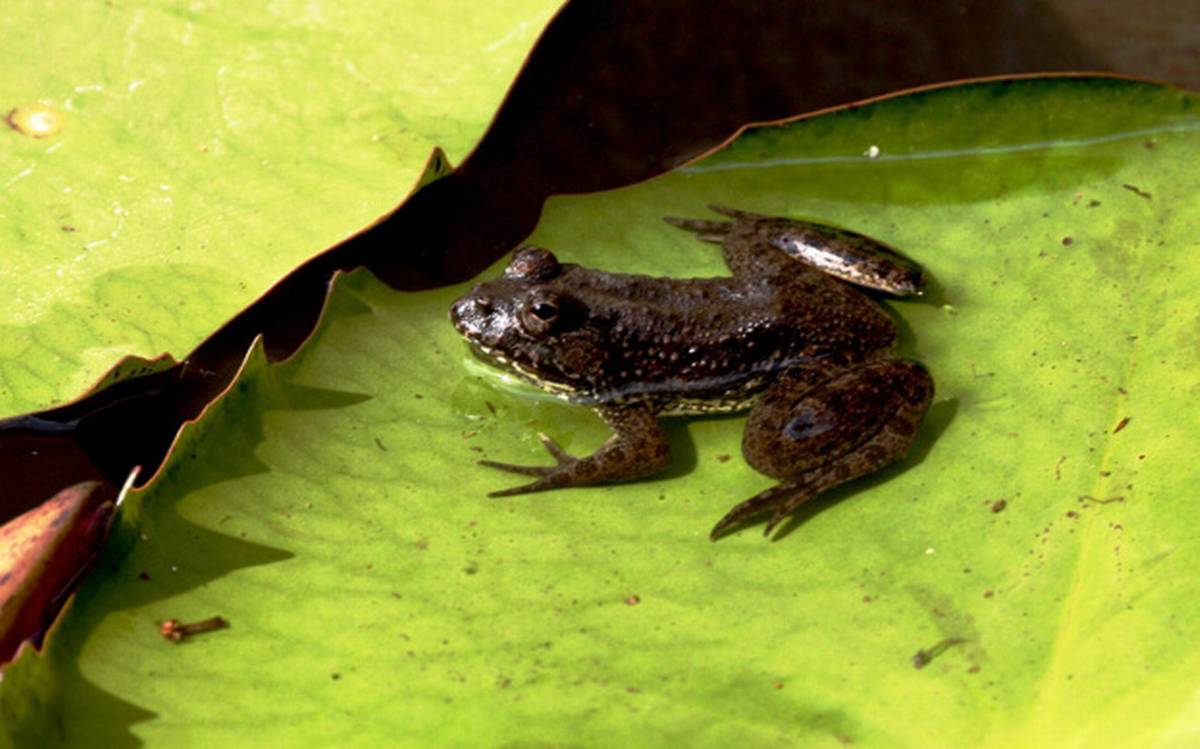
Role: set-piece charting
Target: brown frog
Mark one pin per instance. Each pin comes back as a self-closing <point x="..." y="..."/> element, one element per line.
<point x="786" y="336"/>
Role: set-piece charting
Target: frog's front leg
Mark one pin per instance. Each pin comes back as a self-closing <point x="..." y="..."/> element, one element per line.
<point x="637" y="448"/>
<point x="816" y="435"/>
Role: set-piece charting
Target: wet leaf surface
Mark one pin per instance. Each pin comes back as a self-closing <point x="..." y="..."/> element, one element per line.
<point x="330" y="510"/>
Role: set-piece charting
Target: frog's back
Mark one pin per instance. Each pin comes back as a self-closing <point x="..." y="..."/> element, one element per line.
<point x="710" y="344"/>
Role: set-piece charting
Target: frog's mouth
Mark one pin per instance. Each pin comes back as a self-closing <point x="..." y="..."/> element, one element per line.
<point x="489" y="355"/>
<point x="494" y="359"/>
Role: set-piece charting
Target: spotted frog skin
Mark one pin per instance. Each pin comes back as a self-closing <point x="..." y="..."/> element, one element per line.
<point x="787" y="336"/>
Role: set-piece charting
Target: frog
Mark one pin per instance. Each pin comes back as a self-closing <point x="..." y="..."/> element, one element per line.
<point x="794" y="336"/>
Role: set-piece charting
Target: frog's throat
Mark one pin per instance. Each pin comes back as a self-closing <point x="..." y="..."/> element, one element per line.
<point x="494" y="358"/>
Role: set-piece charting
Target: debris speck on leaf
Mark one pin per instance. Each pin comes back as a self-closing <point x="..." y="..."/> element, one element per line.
<point x="174" y="631"/>
<point x="35" y="120"/>
<point x="1099" y="501"/>
<point x="923" y="658"/>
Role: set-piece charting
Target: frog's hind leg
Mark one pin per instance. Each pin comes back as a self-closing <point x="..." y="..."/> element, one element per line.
<point x="846" y="255"/>
<point x="753" y="243"/>
<point x="814" y="436"/>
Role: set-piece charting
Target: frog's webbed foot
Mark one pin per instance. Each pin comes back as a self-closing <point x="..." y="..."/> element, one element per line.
<point x="547" y="473"/>
<point x="780" y="501"/>
<point x="783" y="495"/>
<point x="637" y="448"/>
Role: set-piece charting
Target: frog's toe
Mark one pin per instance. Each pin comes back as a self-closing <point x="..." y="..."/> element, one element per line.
<point x="787" y="505"/>
<point x="549" y="477"/>
<point x="734" y="213"/>
<point x="757" y="505"/>
<point x="552" y="447"/>
<point x="731" y="518"/>
<point x="781" y="501"/>
<point x="708" y="231"/>
<point x="514" y="491"/>
<point x="561" y="458"/>
<point x="514" y="468"/>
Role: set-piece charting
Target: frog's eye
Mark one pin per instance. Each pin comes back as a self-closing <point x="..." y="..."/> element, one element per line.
<point x="540" y="313"/>
<point x="533" y="264"/>
<point x="545" y="311"/>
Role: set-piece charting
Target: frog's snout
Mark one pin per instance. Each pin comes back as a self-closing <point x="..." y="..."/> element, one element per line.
<point x="461" y="310"/>
<point x="470" y="313"/>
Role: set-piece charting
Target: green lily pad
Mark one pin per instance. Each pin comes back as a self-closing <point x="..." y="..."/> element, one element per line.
<point x="1034" y="555"/>
<point x="189" y="140"/>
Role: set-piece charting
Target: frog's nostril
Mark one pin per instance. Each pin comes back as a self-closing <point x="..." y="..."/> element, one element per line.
<point x="469" y="310"/>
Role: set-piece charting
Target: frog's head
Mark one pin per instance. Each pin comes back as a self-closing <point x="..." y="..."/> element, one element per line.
<point x="528" y="320"/>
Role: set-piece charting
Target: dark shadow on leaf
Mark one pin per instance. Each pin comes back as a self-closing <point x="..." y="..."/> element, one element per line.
<point x="44" y="724"/>
<point x="684" y="457"/>
<point x="131" y="583"/>
<point x="134" y="575"/>
<point x="906" y="338"/>
<point x="303" y="398"/>
<point x="934" y="294"/>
